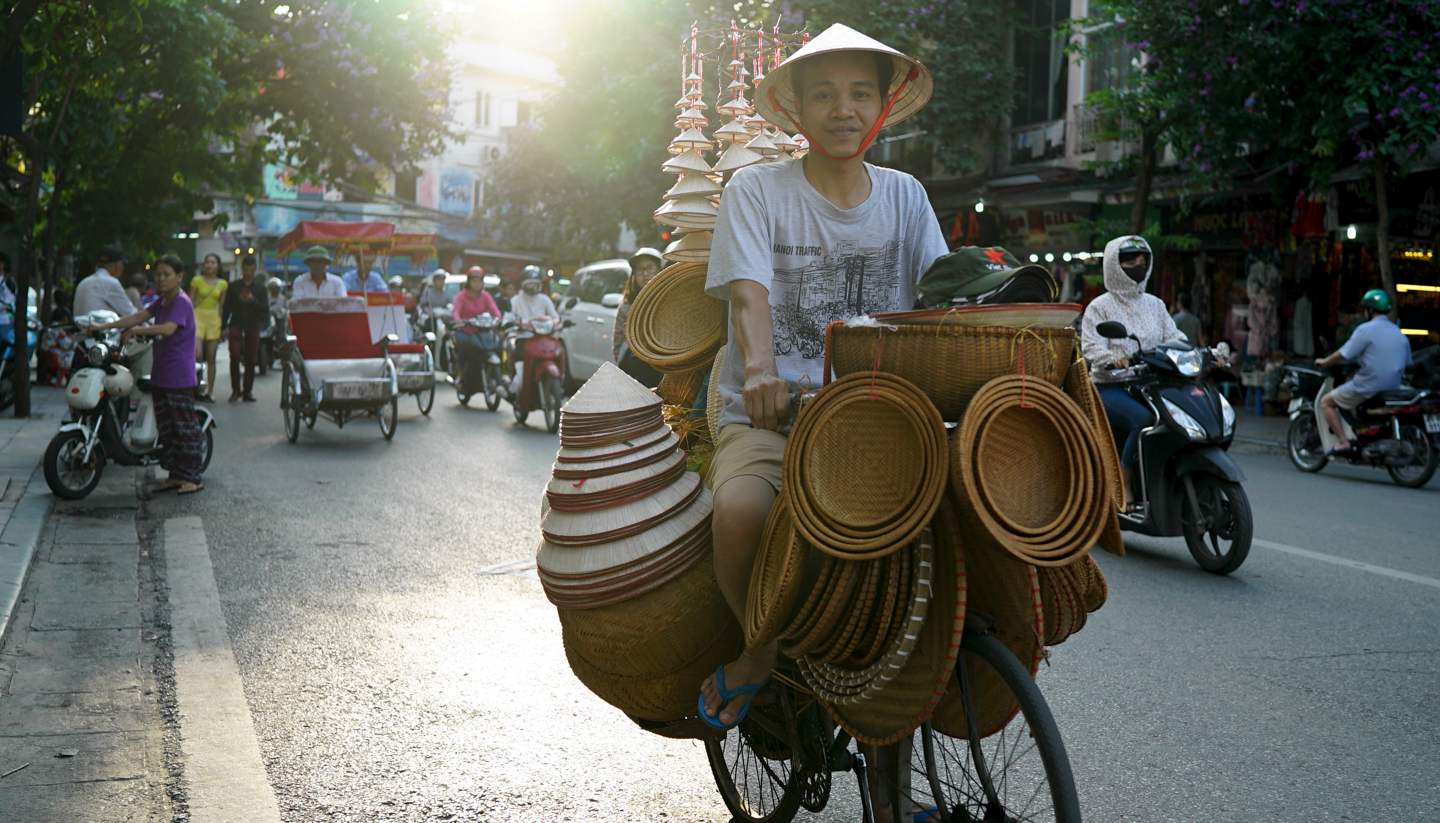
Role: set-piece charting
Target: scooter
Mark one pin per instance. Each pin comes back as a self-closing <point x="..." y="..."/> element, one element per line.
<point x="1398" y="430"/>
<point x="1185" y="483"/>
<point x="99" y="428"/>
<point x="8" y="367"/>
<point x="482" y="378"/>
<point x="536" y="371"/>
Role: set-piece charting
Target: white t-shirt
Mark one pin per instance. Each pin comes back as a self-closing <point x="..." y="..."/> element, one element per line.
<point x="529" y="306"/>
<point x="819" y="262"/>
<point x="304" y="287"/>
<point x="102" y="291"/>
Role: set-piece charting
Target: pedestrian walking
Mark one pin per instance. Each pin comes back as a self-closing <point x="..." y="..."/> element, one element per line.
<point x="207" y="295"/>
<point x="172" y="375"/>
<point x="245" y="312"/>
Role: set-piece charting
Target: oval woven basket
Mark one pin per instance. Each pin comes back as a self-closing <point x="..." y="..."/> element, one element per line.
<point x="949" y="363"/>
<point x="674" y="325"/>
<point x="865" y="467"/>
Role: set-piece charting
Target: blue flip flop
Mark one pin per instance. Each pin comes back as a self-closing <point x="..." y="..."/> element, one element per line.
<point x="926" y="815"/>
<point x="726" y="695"/>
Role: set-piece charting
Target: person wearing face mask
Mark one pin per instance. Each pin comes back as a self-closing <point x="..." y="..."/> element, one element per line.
<point x="1128" y="263"/>
<point x="531" y="302"/>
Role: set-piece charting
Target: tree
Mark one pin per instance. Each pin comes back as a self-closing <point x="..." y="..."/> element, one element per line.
<point x="592" y="160"/>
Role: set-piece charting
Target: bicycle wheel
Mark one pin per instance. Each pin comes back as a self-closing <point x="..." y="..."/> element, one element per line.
<point x="1020" y="773"/>
<point x="752" y="763"/>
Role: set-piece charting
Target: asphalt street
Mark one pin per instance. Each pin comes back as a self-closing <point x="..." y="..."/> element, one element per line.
<point x="400" y="662"/>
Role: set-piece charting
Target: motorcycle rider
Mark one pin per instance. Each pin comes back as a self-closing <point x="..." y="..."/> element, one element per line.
<point x="1383" y="352"/>
<point x="472" y="301"/>
<point x="432" y="298"/>
<point x="1128" y="262"/>
<point x="531" y="302"/>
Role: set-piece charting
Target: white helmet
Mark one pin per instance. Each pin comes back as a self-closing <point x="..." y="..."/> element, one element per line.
<point x="646" y="251"/>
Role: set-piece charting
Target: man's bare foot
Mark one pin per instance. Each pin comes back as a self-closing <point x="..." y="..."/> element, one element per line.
<point x="748" y="669"/>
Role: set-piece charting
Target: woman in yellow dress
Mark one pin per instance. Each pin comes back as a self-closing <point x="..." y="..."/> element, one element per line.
<point x="207" y="293"/>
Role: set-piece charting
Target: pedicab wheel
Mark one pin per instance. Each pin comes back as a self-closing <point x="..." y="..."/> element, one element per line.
<point x="290" y="403"/>
<point x="753" y="767"/>
<point x="426" y="400"/>
<point x="65" y="472"/>
<point x="310" y="416"/>
<point x="552" y="394"/>
<point x="388" y="415"/>
<point x="1422" y="468"/>
<point x="1302" y="443"/>
<point x="1218" y="535"/>
<point x="492" y="388"/>
<point x="1020" y="772"/>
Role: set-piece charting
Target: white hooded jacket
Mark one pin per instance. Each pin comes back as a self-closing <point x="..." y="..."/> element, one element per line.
<point x="1125" y="301"/>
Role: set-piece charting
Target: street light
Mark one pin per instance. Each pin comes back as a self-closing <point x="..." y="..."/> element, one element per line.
<point x="1034" y="258"/>
<point x="1065" y="257"/>
<point x="979" y="206"/>
<point x="1049" y="257"/>
<point x="1350" y="232"/>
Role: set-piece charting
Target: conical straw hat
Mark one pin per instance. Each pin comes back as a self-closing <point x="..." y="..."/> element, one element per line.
<point x="692" y="247"/>
<point x="692" y="184"/>
<point x="782" y="140"/>
<point x="737" y="157"/>
<point x="732" y="132"/>
<point x="619" y="522"/>
<point x="762" y="145"/>
<point x="610" y="391"/>
<point x="688" y="213"/>
<point x="579" y="563"/>
<point x="737" y="86"/>
<point x="690" y="139"/>
<point x="690" y="118"/>
<point x="691" y="160"/>
<point x="736" y="107"/>
<point x="775" y="96"/>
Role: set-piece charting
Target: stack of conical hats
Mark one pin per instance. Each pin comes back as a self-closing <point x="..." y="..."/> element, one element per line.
<point x="626" y="551"/>
<point x="690" y="204"/>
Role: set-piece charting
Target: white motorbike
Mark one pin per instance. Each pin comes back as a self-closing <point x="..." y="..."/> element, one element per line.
<point x="102" y="425"/>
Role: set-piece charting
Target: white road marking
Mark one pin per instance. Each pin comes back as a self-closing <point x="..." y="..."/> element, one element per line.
<point x="1348" y="563"/>
<point x="223" y="769"/>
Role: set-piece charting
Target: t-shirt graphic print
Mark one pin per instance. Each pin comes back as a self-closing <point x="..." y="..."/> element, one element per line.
<point x="819" y="262"/>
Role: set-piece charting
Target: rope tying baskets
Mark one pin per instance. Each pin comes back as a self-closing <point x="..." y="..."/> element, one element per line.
<point x="949" y="362"/>
<point x="1027" y="474"/>
<point x="864" y="467"/>
<point x="674" y="325"/>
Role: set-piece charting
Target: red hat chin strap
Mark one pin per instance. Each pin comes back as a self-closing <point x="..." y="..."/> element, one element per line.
<point x="870" y="136"/>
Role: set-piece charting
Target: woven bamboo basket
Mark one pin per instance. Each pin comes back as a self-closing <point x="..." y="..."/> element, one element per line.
<point x="654" y="698"/>
<point x="949" y="363"/>
<point x="777" y="580"/>
<point x="674" y="325"/>
<point x="1080" y="388"/>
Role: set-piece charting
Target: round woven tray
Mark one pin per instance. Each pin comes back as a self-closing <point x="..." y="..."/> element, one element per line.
<point x="1004" y="594"/>
<point x="674" y="325"/>
<point x="777" y="579"/>
<point x="1080" y="388"/>
<point x="949" y="363"/>
<point x="1025" y="455"/>
<point x="864" y="466"/>
<point x="888" y="613"/>
<point x="897" y="709"/>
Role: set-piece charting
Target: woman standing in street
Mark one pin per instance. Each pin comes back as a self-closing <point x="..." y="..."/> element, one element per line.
<point x="245" y="313"/>
<point x="645" y="263"/>
<point x="207" y="295"/>
<point x="172" y="375"/>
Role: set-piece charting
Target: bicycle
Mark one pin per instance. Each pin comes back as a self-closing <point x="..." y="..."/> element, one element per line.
<point x="781" y="757"/>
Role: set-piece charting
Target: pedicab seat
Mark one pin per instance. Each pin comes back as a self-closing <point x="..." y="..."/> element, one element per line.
<point x="338" y="359"/>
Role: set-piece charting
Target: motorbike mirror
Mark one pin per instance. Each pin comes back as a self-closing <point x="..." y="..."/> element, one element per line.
<point x="1112" y="330"/>
<point x="611" y="301"/>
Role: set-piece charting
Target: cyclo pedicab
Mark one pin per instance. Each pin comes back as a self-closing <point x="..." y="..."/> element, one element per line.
<point x="352" y="355"/>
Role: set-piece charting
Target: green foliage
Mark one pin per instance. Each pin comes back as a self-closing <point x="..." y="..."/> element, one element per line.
<point x="593" y="162"/>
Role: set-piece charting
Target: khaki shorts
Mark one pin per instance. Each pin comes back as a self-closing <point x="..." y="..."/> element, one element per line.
<point x="1347" y="398"/>
<point x="741" y="451"/>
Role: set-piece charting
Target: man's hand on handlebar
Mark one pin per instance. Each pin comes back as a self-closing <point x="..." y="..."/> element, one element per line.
<point x="767" y="400"/>
<point x="1121" y="362"/>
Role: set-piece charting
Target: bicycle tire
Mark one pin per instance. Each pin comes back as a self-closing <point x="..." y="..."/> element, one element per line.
<point x="727" y="753"/>
<point x="949" y="764"/>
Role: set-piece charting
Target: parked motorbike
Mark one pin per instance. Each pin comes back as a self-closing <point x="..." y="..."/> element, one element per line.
<point x="479" y="374"/>
<point x="539" y="363"/>
<point x="8" y="366"/>
<point x="1185" y="483"/>
<point x="1398" y="430"/>
<point x="101" y="426"/>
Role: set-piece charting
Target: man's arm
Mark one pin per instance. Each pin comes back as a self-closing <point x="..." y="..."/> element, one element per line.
<point x="767" y="398"/>
<point x="1334" y="359"/>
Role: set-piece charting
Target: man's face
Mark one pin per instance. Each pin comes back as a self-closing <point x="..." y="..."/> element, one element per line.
<point x="317" y="266"/>
<point x="247" y="272"/>
<point x="1135" y="265"/>
<point x="167" y="280"/>
<point x="840" y="101"/>
<point x="532" y="287"/>
<point x="438" y="282"/>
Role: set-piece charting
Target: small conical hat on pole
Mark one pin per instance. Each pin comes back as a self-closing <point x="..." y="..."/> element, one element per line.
<point x="691" y="160"/>
<point x="610" y="391"/>
<point x="691" y="118"/>
<point x="688" y="212"/>
<point x="782" y="140"/>
<point x="737" y="157"/>
<point x="735" y="107"/>
<point x="763" y="145"/>
<point x="738" y="69"/>
<point x="692" y="247"/>
<point x="736" y="87"/>
<point x="732" y="132"/>
<point x="690" y="139"/>
<point x="692" y="184"/>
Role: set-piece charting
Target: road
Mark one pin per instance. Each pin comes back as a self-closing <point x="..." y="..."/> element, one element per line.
<point x="399" y="660"/>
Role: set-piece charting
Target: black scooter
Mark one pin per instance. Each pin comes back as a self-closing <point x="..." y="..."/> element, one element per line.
<point x="1185" y="483"/>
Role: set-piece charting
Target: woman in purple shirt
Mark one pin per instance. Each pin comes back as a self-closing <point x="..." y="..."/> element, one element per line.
<point x="172" y="375"/>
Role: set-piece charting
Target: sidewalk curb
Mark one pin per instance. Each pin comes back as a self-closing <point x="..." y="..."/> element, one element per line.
<point x="22" y="531"/>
